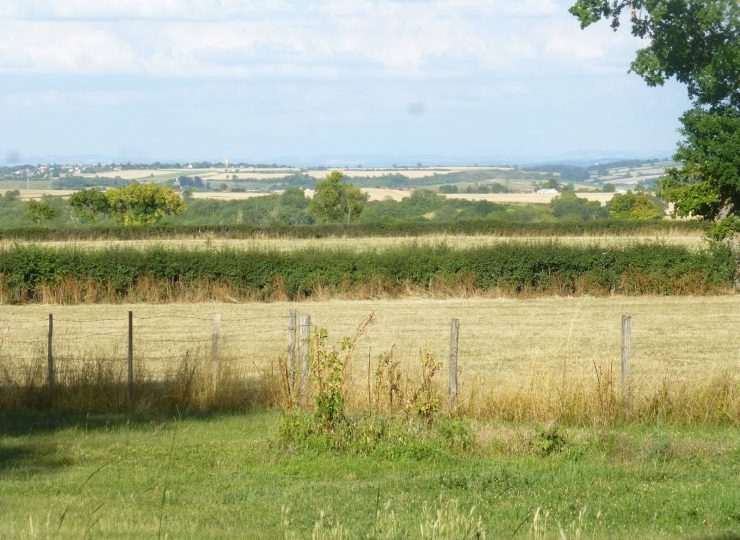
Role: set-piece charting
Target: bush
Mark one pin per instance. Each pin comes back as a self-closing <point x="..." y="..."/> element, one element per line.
<point x="639" y="206"/>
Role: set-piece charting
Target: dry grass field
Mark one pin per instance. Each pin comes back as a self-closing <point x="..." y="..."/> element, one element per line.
<point x="536" y="348"/>
<point x="381" y="194"/>
<point x="526" y="198"/>
<point x="693" y="241"/>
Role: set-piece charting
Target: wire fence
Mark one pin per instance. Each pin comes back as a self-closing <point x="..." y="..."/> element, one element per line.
<point x="57" y="347"/>
<point x="154" y="342"/>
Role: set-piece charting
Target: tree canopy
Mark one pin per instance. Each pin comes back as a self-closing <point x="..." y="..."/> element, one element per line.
<point x="629" y="206"/>
<point x="697" y="42"/>
<point x="335" y="200"/>
<point x="135" y="204"/>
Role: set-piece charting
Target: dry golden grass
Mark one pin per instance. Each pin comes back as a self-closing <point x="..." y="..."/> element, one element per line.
<point x="689" y="240"/>
<point x="228" y="196"/>
<point x="687" y="338"/>
<point x="526" y="198"/>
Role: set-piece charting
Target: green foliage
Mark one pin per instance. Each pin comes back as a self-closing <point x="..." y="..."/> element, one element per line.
<point x="724" y="228"/>
<point x="448" y="188"/>
<point x="698" y="43"/>
<point x="327" y="367"/>
<point x="569" y="205"/>
<point x="638" y="206"/>
<point x="708" y="184"/>
<point x="382" y="436"/>
<point x="40" y="211"/>
<point x="335" y="200"/>
<point x="549" y="441"/>
<point x="695" y="41"/>
<point x="608" y="188"/>
<point x="508" y="268"/>
<point x="138" y="204"/>
<point x="89" y="204"/>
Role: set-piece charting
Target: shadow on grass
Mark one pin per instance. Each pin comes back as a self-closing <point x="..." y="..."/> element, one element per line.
<point x="32" y="458"/>
<point x="31" y="409"/>
<point x="29" y="423"/>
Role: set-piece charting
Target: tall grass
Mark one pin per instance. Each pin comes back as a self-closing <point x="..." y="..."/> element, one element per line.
<point x="98" y="384"/>
<point x="381" y="386"/>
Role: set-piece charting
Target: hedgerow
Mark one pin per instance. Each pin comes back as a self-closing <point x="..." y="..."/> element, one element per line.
<point x="550" y="268"/>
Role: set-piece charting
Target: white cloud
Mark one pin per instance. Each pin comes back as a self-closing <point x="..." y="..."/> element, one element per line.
<point x="290" y="38"/>
<point x="91" y="10"/>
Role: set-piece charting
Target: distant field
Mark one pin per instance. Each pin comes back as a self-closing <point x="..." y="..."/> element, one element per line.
<point x="694" y="241"/>
<point x="532" y="198"/>
<point x="381" y="194"/>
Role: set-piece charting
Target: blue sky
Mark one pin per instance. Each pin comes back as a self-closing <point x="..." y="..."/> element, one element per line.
<point x="322" y="81"/>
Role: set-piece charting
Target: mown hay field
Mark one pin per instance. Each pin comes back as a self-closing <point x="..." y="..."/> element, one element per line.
<point x="546" y="341"/>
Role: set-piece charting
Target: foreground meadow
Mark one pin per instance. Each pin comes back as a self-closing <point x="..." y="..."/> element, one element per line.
<point x="117" y="476"/>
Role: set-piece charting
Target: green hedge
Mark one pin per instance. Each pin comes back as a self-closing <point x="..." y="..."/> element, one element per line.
<point x="508" y="268"/>
<point x="476" y="226"/>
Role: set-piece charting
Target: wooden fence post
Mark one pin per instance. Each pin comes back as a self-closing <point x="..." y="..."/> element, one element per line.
<point x="50" y="357"/>
<point x="452" y="383"/>
<point x="130" y="393"/>
<point x="214" y="350"/>
<point x="290" y="360"/>
<point x="305" y="324"/>
<point x="626" y="381"/>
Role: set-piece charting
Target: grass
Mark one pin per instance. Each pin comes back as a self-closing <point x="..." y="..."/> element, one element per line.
<point x="693" y="240"/>
<point x="118" y="476"/>
<point x="542" y="359"/>
<point x="681" y="337"/>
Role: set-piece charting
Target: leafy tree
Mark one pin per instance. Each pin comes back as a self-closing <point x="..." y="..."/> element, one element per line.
<point x="698" y="43"/>
<point x="695" y="41"/>
<point x="708" y="184"/>
<point x="89" y="204"/>
<point x="335" y="200"/>
<point x="448" y="188"/>
<point x="631" y="206"/>
<point x="569" y="205"/>
<point x="138" y="204"/>
<point x="608" y="188"/>
<point x="40" y="211"/>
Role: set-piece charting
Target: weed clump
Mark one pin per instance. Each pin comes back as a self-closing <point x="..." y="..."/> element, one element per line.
<point x="402" y="419"/>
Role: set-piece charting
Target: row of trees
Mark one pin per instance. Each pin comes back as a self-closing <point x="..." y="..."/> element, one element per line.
<point x="334" y="201"/>
<point x="623" y="206"/>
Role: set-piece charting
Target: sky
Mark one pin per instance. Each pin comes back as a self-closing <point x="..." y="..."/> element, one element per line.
<point x="323" y="82"/>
